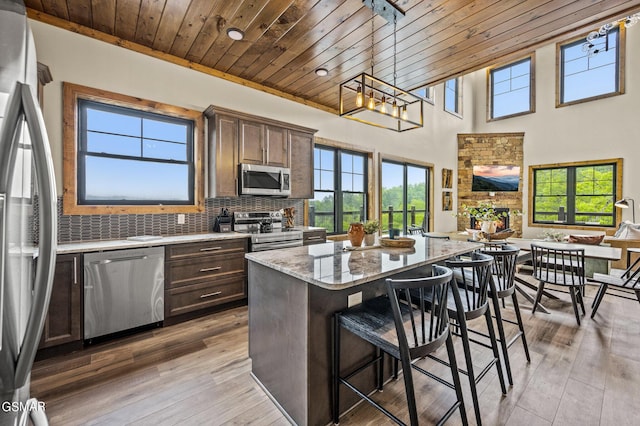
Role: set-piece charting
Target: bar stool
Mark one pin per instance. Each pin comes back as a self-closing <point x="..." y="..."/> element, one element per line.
<point x="468" y="301"/>
<point x="501" y="286"/>
<point x="406" y="331"/>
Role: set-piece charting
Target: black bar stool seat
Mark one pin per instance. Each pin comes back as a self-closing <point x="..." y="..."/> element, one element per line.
<point x="406" y="329"/>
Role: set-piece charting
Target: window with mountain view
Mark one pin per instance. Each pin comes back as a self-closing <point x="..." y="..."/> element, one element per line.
<point x="404" y="195"/>
<point x="340" y="189"/>
<point x="579" y="194"/>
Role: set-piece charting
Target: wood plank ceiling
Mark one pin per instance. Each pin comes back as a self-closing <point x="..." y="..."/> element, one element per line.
<point x="287" y="40"/>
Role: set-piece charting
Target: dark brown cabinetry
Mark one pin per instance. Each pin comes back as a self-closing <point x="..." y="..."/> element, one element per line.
<point x="315" y="236"/>
<point x="223" y="156"/>
<point x="236" y="138"/>
<point x="204" y="275"/>
<point x="301" y="149"/>
<point x="263" y="144"/>
<point x="64" y="318"/>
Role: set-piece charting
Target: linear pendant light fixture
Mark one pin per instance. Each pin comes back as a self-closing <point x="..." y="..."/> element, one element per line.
<point x="372" y="101"/>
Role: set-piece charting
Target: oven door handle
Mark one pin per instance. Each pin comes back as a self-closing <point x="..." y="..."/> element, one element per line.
<point x="276" y="245"/>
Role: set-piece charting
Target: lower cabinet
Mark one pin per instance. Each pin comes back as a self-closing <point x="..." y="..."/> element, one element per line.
<point x="63" y="323"/>
<point x="204" y="275"/>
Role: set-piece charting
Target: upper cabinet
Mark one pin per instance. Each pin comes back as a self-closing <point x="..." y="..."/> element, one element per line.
<point x="236" y="138"/>
<point x="263" y="144"/>
<point x="301" y="150"/>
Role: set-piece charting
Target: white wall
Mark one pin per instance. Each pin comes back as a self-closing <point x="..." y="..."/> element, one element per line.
<point x="81" y="60"/>
<point x="601" y="129"/>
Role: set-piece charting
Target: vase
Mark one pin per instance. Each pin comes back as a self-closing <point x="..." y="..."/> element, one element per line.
<point x="488" y="226"/>
<point x="356" y="234"/>
<point x="369" y="239"/>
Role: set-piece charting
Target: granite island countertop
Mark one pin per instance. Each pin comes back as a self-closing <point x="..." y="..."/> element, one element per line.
<point x="330" y="266"/>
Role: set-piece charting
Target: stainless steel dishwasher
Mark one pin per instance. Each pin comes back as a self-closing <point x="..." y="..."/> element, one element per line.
<point x="123" y="289"/>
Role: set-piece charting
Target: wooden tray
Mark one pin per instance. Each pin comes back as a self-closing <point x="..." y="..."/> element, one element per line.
<point x="400" y="242"/>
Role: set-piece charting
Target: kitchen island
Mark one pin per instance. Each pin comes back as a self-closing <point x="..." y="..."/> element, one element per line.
<point x="293" y="294"/>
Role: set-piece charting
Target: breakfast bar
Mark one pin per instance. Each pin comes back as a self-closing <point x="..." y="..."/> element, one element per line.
<point x="293" y="294"/>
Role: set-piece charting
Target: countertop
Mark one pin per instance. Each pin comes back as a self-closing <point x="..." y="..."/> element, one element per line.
<point x="87" y="246"/>
<point x="329" y="266"/>
<point x="100" y="245"/>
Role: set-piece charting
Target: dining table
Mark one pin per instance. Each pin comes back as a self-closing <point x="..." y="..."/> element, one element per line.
<point x="599" y="252"/>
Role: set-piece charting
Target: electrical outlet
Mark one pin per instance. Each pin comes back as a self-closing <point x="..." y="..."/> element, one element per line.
<point x="354" y="299"/>
<point x="181" y="218"/>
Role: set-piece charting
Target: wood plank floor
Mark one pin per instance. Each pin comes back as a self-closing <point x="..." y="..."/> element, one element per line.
<point x="197" y="373"/>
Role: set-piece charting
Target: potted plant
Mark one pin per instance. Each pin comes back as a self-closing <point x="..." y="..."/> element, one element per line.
<point x="486" y="214"/>
<point x="370" y="229"/>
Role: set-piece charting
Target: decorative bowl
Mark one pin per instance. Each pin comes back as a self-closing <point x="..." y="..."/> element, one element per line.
<point x="401" y="242"/>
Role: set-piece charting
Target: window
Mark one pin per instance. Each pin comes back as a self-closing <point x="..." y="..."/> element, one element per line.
<point x="340" y="189"/>
<point x="404" y="195"/>
<point x="576" y="193"/>
<point x="453" y="96"/>
<point x="426" y="93"/>
<point x="510" y="89"/>
<point x="124" y="155"/>
<point x="584" y="77"/>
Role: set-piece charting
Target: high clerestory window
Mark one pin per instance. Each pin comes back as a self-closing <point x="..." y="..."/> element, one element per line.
<point x="511" y="89"/>
<point x="583" y="76"/>
<point x="453" y="96"/>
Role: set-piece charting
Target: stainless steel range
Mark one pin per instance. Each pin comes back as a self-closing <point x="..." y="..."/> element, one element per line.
<point x="267" y="232"/>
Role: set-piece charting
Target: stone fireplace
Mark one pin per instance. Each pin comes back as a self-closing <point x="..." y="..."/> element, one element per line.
<point x="501" y="225"/>
<point x="479" y="149"/>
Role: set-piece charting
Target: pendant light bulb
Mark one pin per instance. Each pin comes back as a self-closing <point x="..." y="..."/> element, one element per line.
<point x="394" y="109"/>
<point x="383" y="105"/>
<point x="405" y="115"/>
<point x="372" y="103"/>
<point x="359" y="99"/>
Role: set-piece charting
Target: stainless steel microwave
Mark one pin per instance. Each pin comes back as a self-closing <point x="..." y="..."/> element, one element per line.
<point x="264" y="180"/>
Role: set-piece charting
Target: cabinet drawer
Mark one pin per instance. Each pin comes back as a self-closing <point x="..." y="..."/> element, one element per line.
<point x="204" y="295"/>
<point x="314" y="237"/>
<point x="205" y="248"/>
<point x="187" y="271"/>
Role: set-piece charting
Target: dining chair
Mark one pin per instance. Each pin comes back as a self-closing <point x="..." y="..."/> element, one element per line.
<point x="628" y="281"/>
<point x="502" y="286"/>
<point x="405" y="330"/>
<point x="562" y="267"/>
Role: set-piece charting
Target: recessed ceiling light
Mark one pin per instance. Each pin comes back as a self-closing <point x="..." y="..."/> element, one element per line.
<point x="235" y="34"/>
<point x="322" y="72"/>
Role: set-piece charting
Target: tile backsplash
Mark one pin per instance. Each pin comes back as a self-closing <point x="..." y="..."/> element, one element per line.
<point x="109" y="227"/>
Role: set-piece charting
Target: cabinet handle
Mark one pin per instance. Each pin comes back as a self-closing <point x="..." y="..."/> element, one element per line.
<point x="210" y="248"/>
<point x="215" y="268"/>
<point x="314" y="238"/>
<point x="215" y="293"/>
<point x="75" y="270"/>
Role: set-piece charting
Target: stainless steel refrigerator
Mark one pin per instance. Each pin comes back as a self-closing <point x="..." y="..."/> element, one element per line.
<point x="26" y="178"/>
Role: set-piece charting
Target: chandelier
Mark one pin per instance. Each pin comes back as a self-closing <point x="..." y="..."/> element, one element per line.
<point x="592" y="47"/>
<point x="372" y="101"/>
